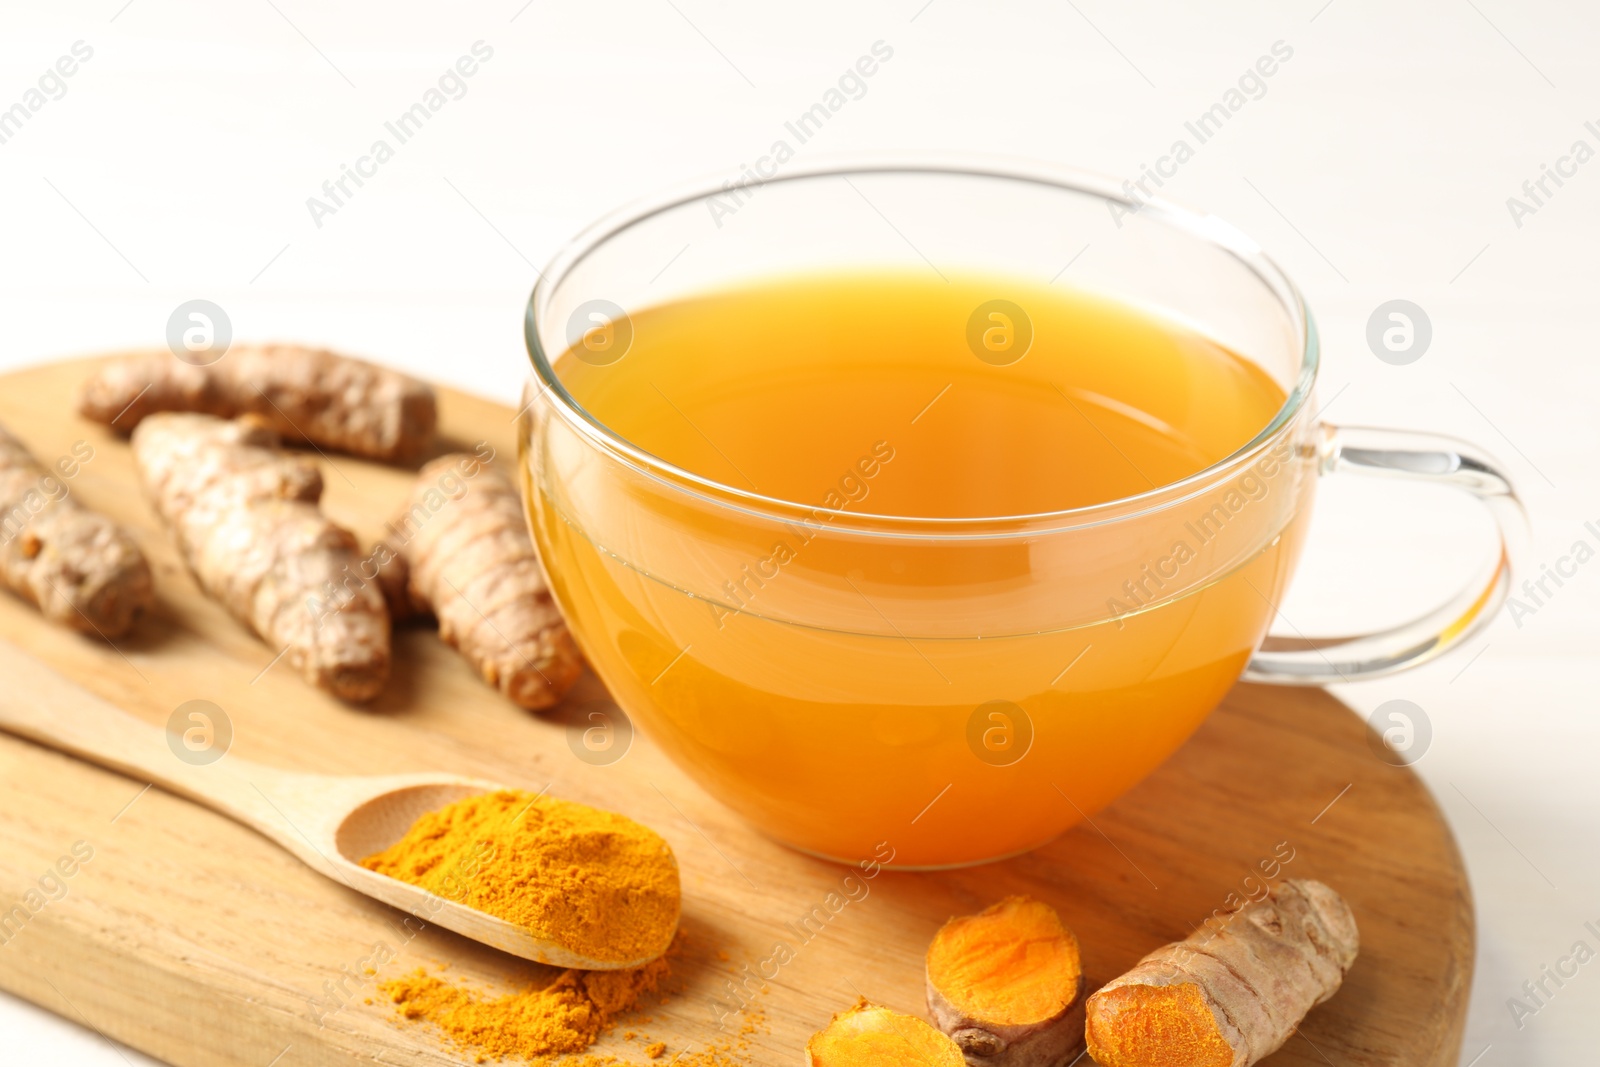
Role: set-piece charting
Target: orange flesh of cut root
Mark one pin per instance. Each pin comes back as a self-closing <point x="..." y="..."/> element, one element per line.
<point x="1155" y="1026"/>
<point x="870" y="1036"/>
<point x="1014" y="964"/>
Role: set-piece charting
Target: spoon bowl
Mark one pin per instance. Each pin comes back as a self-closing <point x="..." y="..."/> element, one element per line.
<point x="330" y="822"/>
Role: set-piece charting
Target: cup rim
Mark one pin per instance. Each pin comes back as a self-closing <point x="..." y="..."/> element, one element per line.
<point x="1209" y="228"/>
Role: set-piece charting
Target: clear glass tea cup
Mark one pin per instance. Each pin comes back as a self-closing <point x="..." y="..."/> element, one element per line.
<point x="948" y="691"/>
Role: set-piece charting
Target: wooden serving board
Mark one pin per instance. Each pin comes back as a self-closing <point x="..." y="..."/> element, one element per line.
<point x="194" y="939"/>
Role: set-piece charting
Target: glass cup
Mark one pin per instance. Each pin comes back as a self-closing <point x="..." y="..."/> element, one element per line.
<point x="953" y="690"/>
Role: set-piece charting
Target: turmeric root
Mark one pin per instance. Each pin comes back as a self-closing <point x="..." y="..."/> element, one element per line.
<point x="76" y="566"/>
<point x="1229" y="998"/>
<point x="1007" y="985"/>
<point x="305" y="394"/>
<point x="869" y="1036"/>
<point x="246" y="517"/>
<point x="461" y="550"/>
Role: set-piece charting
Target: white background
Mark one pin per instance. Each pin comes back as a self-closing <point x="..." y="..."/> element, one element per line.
<point x="1377" y="166"/>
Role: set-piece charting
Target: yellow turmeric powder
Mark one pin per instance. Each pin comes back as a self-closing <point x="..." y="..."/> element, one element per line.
<point x="562" y="1018"/>
<point x="556" y="1021"/>
<point x="592" y="880"/>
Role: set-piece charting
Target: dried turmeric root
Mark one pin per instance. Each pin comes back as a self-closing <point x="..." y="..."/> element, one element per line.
<point x="1007" y="985"/>
<point x="461" y="550"/>
<point x="246" y="517"/>
<point x="869" y="1036"/>
<point x="1229" y="998"/>
<point x="306" y="394"/>
<point x="76" y="566"/>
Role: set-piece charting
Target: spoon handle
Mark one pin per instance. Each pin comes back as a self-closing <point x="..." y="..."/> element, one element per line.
<point x="41" y="705"/>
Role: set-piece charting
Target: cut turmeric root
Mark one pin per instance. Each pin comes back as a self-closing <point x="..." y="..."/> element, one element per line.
<point x="246" y="518"/>
<point x="306" y="394"/>
<point x="78" y="567"/>
<point x="1229" y="998"/>
<point x="1007" y="985"/>
<point x="461" y="550"/>
<point x="869" y="1036"/>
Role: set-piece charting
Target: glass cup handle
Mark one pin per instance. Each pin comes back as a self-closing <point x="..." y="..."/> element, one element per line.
<point x="1418" y="457"/>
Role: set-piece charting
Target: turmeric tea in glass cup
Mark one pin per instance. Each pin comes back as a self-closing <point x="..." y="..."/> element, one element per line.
<point x="921" y="509"/>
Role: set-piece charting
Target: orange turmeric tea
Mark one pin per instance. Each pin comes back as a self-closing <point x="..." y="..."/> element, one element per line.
<point x="807" y="638"/>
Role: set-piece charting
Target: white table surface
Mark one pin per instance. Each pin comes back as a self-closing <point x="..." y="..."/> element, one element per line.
<point x="1376" y="166"/>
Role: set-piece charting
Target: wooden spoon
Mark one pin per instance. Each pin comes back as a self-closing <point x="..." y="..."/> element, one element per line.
<point x="330" y="823"/>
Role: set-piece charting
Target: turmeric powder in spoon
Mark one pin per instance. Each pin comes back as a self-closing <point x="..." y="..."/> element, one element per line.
<point x="592" y="880"/>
